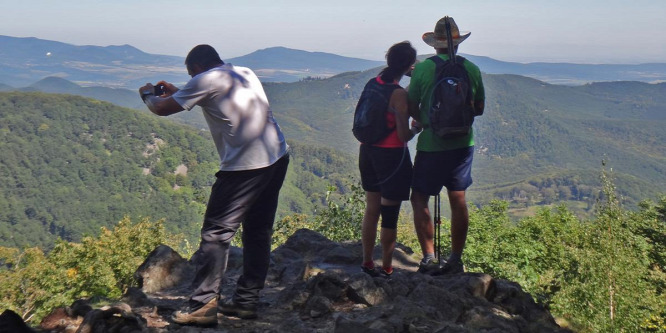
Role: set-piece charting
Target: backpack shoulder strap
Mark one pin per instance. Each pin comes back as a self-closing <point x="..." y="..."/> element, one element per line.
<point x="437" y="60"/>
<point x="372" y="83"/>
<point x="378" y="89"/>
<point x="386" y="87"/>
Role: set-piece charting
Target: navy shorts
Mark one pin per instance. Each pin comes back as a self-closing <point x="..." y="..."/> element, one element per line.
<point x="451" y="169"/>
<point x="386" y="170"/>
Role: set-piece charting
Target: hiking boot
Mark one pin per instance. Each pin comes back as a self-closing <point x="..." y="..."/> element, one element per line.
<point x="428" y="268"/>
<point x="451" y="267"/>
<point x="204" y="316"/>
<point x="370" y="271"/>
<point x="232" y="309"/>
<point x="383" y="273"/>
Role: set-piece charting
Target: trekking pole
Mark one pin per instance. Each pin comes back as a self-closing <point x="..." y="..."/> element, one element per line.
<point x="438" y="224"/>
<point x="449" y="40"/>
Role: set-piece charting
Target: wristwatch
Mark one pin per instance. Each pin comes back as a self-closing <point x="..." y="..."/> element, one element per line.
<point x="145" y="94"/>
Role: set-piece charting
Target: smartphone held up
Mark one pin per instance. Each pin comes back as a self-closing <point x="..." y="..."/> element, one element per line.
<point x="159" y="90"/>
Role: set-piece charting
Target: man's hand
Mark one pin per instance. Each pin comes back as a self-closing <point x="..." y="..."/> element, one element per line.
<point x="416" y="127"/>
<point x="163" y="105"/>
<point x="146" y="91"/>
<point x="169" y="89"/>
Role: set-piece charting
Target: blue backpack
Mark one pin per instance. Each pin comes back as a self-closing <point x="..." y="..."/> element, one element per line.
<point x="370" y="115"/>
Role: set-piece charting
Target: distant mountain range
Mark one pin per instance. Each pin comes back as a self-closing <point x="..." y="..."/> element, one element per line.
<point x="574" y="74"/>
<point x="287" y="65"/>
<point x="24" y="61"/>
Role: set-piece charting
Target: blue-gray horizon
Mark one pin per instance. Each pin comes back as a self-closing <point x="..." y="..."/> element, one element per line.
<point x="585" y="32"/>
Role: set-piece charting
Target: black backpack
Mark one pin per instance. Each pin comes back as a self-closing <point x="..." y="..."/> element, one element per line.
<point x="451" y="111"/>
<point x="370" y="115"/>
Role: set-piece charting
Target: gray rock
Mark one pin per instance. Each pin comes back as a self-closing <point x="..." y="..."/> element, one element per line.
<point x="340" y="255"/>
<point x="318" y="306"/>
<point x="163" y="268"/>
<point x="10" y="321"/>
<point x="491" y="319"/>
<point x="448" y="305"/>
<point x="315" y="285"/>
<point x="329" y="285"/>
<point x="293" y="324"/>
<point x="346" y="325"/>
<point x="397" y="286"/>
<point x="135" y="298"/>
<point x="469" y="284"/>
<point x="362" y="289"/>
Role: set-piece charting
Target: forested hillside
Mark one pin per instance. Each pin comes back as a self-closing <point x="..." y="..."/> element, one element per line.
<point x="537" y="144"/>
<point x="540" y="143"/>
<point x="69" y="165"/>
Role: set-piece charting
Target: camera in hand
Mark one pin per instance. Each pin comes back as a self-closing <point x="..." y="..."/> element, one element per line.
<point x="159" y="90"/>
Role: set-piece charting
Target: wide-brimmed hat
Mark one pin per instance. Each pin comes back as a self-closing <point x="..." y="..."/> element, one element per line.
<point x="437" y="39"/>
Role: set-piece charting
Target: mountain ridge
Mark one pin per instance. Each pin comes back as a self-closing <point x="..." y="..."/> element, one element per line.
<point x="287" y="58"/>
<point x="128" y="66"/>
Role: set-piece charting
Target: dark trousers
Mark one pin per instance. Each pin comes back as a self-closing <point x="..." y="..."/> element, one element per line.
<point x="250" y="198"/>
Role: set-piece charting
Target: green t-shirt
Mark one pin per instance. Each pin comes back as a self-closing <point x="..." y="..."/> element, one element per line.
<point x="420" y="91"/>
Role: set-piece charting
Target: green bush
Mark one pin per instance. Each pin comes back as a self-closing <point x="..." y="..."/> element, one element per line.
<point x="33" y="283"/>
<point x="603" y="274"/>
<point x="341" y="220"/>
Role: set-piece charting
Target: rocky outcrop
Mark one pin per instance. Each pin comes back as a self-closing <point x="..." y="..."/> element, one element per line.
<point x="315" y="285"/>
<point x="11" y="322"/>
<point x="163" y="269"/>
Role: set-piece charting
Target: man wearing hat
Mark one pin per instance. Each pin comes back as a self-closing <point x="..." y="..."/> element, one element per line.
<point x="441" y="162"/>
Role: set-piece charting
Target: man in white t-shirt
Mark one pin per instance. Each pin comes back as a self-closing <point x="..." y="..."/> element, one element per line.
<point x="254" y="159"/>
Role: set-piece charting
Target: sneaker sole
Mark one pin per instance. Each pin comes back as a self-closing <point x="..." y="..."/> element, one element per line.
<point x="429" y="270"/>
<point x="242" y="314"/>
<point x="196" y="321"/>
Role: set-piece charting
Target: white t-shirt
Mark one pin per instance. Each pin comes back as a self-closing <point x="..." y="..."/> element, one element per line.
<point x="237" y="112"/>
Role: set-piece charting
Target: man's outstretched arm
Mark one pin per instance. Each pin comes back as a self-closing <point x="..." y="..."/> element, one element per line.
<point x="160" y="105"/>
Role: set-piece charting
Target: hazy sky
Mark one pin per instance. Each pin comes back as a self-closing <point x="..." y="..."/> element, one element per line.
<point x="581" y="31"/>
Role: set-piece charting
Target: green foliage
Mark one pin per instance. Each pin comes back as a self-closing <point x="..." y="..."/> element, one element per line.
<point x="606" y="274"/>
<point x="341" y="221"/>
<point x="536" y="139"/>
<point x="312" y="168"/>
<point x="33" y="283"/>
<point x="70" y="165"/>
<point x="537" y="143"/>
<point x="285" y="227"/>
<point x="609" y="283"/>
